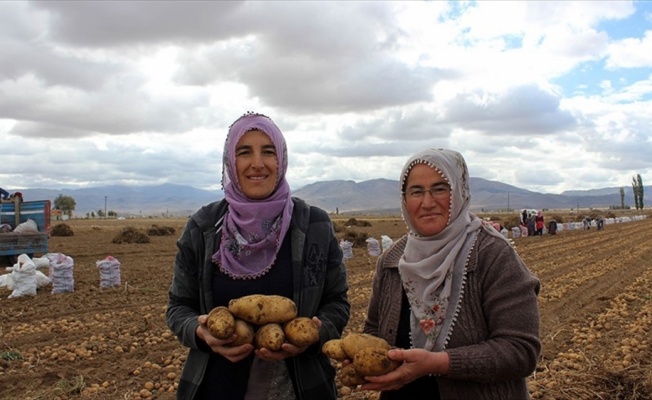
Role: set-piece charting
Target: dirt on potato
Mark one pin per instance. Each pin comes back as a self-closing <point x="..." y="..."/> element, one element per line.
<point x="114" y="344"/>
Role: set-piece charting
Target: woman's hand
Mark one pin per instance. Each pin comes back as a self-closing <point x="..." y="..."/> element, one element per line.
<point x="416" y="363"/>
<point x="221" y="347"/>
<point x="287" y="349"/>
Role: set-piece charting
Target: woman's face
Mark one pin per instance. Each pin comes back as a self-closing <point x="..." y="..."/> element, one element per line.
<point x="256" y="165"/>
<point x="427" y="200"/>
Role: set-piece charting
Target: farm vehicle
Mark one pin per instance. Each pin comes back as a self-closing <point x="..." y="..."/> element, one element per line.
<point x="15" y="212"/>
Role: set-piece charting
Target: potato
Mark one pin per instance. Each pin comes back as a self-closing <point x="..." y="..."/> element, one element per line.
<point x="245" y="333"/>
<point x="333" y="349"/>
<point x="269" y="336"/>
<point x="354" y="342"/>
<point x="263" y="309"/>
<point x="349" y="377"/>
<point x="221" y="323"/>
<point x="373" y="362"/>
<point x="301" y="331"/>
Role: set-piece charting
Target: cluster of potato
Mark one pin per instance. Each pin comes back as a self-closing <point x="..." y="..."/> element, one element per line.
<point x="367" y="355"/>
<point x="267" y="321"/>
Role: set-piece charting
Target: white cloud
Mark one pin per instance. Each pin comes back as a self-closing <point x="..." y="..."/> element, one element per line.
<point x="543" y="95"/>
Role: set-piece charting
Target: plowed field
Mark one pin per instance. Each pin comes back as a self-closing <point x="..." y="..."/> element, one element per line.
<point x="113" y="343"/>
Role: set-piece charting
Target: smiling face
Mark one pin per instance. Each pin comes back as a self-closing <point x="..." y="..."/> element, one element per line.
<point x="256" y="164"/>
<point x="427" y="200"/>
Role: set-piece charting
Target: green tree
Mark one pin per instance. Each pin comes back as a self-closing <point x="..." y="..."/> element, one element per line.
<point x="622" y="198"/>
<point x="641" y="190"/>
<point x="637" y="188"/>
<point x="66" y="204"/>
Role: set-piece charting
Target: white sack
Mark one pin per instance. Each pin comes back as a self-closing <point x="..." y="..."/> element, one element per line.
<point x="7" y="281"/>
<point x="24" y="276"/>
<point x="373" y="248"/>
<point x="347" y="249"/>
<point x="61" y="273"/>
<point x="109" y="272"/>
<point x="386" y="241"/>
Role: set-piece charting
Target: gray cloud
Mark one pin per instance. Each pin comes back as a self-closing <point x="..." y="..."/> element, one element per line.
<point x="84" y="89"/>
<point x="523" y="110"/>
<point x="129" y="23"/>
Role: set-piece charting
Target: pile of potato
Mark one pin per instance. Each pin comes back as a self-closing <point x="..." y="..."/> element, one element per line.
<point x="267" y="321"/>
<point x="367" y="356"/>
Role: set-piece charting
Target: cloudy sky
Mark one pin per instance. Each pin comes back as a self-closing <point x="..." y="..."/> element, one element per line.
<point x="547" y="96"/>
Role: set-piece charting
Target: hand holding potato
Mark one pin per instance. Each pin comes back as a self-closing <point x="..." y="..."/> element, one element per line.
<point x="362" y="355"/>
<point x="269" y="322"/>
<point x="223" y="347"/>
<point x="414" y="363"/>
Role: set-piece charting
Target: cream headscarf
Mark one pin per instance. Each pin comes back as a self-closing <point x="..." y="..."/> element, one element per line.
<point x="433" y="268"/>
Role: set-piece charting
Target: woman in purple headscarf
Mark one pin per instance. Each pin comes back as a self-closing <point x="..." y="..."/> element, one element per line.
<point x="453" y="295"/>
<point x="257" y="240"/>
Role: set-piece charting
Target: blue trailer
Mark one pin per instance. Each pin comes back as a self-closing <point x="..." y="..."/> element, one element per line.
<point x="16" y="211"/>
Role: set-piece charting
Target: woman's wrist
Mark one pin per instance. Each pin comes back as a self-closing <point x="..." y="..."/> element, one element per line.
<point x="440" y="363"/>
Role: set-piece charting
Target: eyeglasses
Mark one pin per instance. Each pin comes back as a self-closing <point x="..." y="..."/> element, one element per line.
<point x="436" y="192"/>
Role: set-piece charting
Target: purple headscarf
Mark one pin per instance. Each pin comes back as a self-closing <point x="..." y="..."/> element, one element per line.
<point x="253" y="230"/>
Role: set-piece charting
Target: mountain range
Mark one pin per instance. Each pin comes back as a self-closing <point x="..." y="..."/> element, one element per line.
<point x="344" y="196"/>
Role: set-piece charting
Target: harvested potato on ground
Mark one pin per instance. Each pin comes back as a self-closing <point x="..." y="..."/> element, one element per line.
<point x="270" y="337"/>
<point x="263" y="309"/>
<point x="301" y="331"/>
<point x="221" y="323"/>
<point x="349" y="377"/>
<point x="373" y="362"/>
<point x="244" y="331"/>
<point x="333" y="349"/>
<point x="354" y="342"/>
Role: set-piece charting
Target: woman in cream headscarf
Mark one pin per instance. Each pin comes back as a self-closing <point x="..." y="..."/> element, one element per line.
<point x="453" y="295"/>
<point x="258" y="240"/>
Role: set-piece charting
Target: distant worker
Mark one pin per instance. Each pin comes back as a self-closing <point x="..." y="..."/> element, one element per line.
<point x="599" y="223"/>
<point x="4" y="194"/>
<point x="531" y="225"/>
<point x="539" y="223"/>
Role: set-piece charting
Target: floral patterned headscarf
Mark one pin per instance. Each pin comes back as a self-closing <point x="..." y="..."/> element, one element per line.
<point x="252" y="230"/>
<point x="433" y="268"/>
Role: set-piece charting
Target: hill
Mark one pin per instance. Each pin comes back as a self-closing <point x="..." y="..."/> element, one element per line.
<point x="376" y="195"/>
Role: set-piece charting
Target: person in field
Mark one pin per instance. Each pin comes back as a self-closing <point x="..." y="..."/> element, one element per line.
<point x="258" y="240"/>
<point x="452" y="295"/>
<point x="539" y="223"/>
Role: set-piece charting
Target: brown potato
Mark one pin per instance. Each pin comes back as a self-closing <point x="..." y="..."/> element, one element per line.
<point x="354" y="342"/>
<point x="373" y="362"/>
<point x="269" y="336"/>
<point x="244" y="332"/>
<point x="263" y="309"/>
<point x="301" y="331"/>
<point x="349" y="377"/>
<point x="221" y="323"/>
<point x="333" y="349"/>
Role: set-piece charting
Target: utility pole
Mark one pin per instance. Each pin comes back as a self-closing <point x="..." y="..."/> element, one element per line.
<point x="105" y="197"/>
<point x="508" y="201"/>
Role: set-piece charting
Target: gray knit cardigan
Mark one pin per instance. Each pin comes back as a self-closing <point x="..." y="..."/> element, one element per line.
<point x="494" y="342"/>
